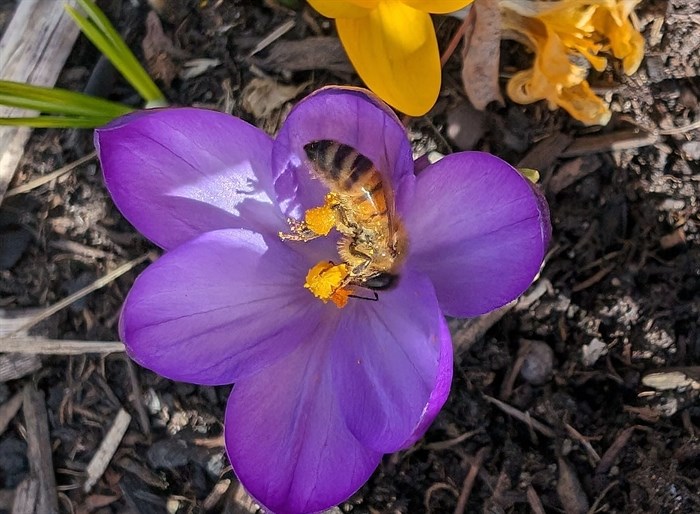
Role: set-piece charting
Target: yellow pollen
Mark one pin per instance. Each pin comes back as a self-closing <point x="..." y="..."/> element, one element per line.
<point x="325" y="280"/>
<point x="321" y="220"/>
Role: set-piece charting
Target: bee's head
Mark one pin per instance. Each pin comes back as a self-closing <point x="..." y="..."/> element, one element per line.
<point x="381" y="281"/>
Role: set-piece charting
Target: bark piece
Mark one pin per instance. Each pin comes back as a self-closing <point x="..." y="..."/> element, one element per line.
<point x="33" y="50"/>
<point x="100" y="461"/>
<point x="39" y="450"/>
<point x="9" y="410"/>
<point x="17" y="365"/>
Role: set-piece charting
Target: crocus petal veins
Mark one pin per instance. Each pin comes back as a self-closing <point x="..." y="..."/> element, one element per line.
<point x="568" y="37"/>
<point x="321" y="392"/>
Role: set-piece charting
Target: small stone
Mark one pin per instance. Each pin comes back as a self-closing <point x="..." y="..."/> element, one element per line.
<point x="465" y="126"/>
<point x="152" y="401"/>
<point x="566" y="447"/>
<point x="216" y="465"/>
<point x="538" y="363"/>
<point x="593" y="351"/>
<point x="172" y="505"/>
<point x="168" y="453"/>
<point x="13" y="243"/>
<point x="691" y="149"/>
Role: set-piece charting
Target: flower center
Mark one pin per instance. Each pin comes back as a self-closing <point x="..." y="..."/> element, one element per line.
<point x="326" y="280"/>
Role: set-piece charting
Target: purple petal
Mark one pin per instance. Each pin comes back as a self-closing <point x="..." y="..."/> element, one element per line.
<point x="350" y="116"/>
<point x="176" y="173"/>
<point x="287" y="440"/>
<point x="479" y="230"/>
<point x="392" y="364"/>
<point x="220" y="307"/>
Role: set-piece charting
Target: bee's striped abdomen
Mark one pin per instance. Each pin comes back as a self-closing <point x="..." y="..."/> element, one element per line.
<point x="340" y="165"/>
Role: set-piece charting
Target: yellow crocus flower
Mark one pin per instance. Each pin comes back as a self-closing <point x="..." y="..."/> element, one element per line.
<point x="564" y="35"/>
<point x="393" y="47"/>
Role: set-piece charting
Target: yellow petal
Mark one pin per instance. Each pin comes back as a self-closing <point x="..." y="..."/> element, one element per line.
<point x="581" y="102"/>
<point x="624" y="41"/>
<point x="395" y="52"/>
<point x="520" y="90"/>
<point x="344" y="8"/>
<point x="631" y="61"/>
<point x="553" y="61"/>
<point x="437" y="6"/>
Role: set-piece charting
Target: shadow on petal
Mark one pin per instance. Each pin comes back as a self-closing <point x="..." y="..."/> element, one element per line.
<point x="221" y="307"/>
<point x="392" y="364"/>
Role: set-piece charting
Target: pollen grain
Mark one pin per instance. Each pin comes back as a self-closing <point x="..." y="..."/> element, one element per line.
<point x="326" y="281"/>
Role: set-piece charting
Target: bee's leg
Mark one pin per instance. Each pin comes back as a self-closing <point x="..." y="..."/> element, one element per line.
<point x="362" y="267"/>
<point x="343" y="224"/>
<point x="317" y="222"/>
<point x="299" y="231"/>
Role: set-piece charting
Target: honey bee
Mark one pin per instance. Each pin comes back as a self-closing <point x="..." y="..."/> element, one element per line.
<point x="374" y="242"/>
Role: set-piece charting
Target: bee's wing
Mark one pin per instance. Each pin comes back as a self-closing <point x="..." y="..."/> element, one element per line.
<point x="394" y="226"/>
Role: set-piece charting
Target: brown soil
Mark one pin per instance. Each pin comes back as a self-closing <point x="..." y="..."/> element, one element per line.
<point x="617" y="300"/>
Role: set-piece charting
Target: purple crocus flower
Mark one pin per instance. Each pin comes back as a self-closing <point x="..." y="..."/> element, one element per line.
<point x="321" y="392"/>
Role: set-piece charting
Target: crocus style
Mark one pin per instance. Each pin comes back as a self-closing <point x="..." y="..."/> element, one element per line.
<point x="392" y="45"/>
<point x="321" y="392"/>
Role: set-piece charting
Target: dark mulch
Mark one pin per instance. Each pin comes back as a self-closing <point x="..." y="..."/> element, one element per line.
<point x="617" y="299"/>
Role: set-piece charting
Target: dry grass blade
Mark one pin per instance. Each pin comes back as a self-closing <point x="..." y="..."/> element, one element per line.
<point x="468" y="484"/>
<point x="273" y="36"/>
<point x="456" y="37"/>
<point x="97" y="284"/>
<point x="216" y="494"/>
<point x="521" y="416"/>
<point x="41" y="346"/>
<point x="680" y="130"/>
<point x="534" y="501"/>
<point x="611" y="453"/>
<point x="611" y="142"/>
<point x="40" y="181"/>
<point x="444" y="445"/>
<point x="594" y="279"/>
<point x="596" y="503"/>
<point x="592" y="454"/>
<point x="137" y="397"/>
<point x="467" y="332"/>
<point x="439" y="486"/>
